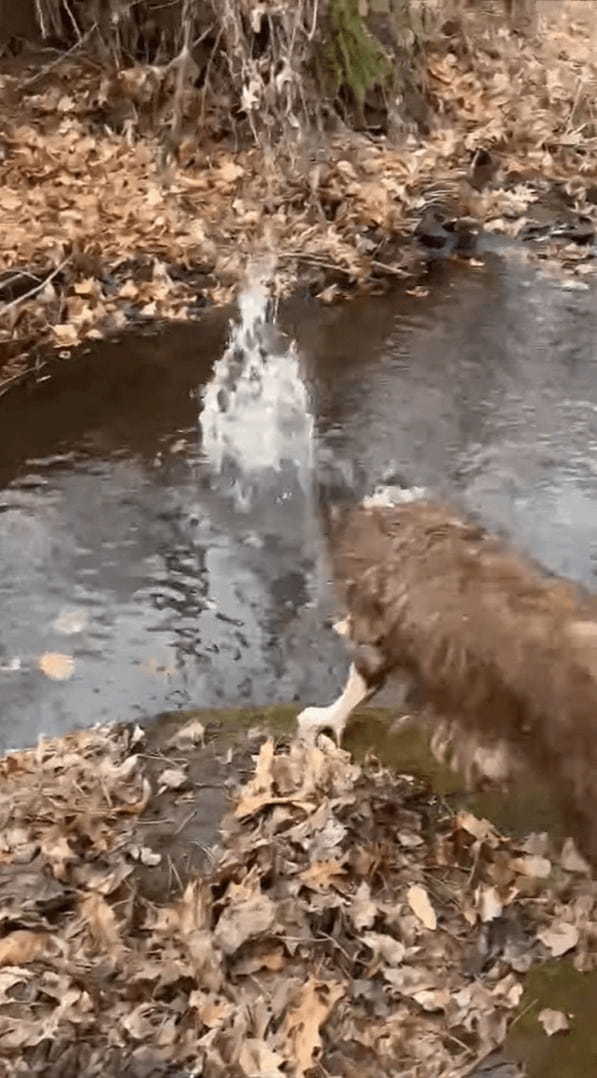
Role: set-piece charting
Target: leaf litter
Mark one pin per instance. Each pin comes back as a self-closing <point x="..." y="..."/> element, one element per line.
<point x="101" y="233"/>
<point x="314" y="941"/>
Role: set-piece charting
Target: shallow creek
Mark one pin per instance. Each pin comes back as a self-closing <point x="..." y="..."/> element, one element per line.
<point x="127" y="542"/>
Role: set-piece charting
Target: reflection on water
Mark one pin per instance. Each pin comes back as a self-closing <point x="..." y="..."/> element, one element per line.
<point x="109" y="512"/>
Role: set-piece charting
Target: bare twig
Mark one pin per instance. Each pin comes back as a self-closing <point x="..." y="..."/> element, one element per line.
<point x="6" y="281"/>
<point x="59" y="59"/>
<point x="315" y="260"/>
<point x="72" y="20"/>
<point x="396" y="271"/>
<point x="33" y="291"/>
<point x="6" y="383"/>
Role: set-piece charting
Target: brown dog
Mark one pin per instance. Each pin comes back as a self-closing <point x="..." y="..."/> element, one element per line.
<point x="504" y="651"/>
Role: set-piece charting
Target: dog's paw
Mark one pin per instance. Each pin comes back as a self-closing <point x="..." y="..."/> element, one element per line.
<point x="313" y="721"/>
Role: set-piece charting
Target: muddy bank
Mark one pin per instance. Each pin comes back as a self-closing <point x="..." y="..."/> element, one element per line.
<point x="104" y="229"/>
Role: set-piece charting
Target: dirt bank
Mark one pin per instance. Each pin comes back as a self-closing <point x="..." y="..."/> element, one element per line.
<point x="108" y="223"/>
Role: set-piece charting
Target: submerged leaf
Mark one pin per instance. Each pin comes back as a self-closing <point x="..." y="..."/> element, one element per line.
<point x="553" y="1021"/>
<point x="56" y="666"/>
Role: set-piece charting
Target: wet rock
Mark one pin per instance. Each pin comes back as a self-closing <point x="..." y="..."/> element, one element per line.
<point x="431" y="231"/>
<point x="484" y="167"/>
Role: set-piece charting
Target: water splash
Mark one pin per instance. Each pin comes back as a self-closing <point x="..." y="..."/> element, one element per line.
<point x="257" y="431"/>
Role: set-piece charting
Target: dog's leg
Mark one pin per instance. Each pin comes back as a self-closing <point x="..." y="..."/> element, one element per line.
<point x="314" y="719"/>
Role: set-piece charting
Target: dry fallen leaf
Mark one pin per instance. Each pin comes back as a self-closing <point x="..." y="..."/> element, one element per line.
<point x="301" y="1030"/>
<point x="230" y="171"/>
<point x="192" y="732"/>
<point x="258" y="792"/>
<point x="362" y="910"/>
<point x="212" y="1010"/>
<point x="553" y="1021"/>
<point x="418" y="900"/>
<point x="559" y="938"/>
<point x="21" y="947"/>
<point x="258" y="1060"/>
<point x="172" y="778"/>
<point x="489" y="904"/>
<point x="56" y="666"/>
<point x="534" y="866"/>
<point x="571" y="860"/>
<point x="478" y="828"/>
<point x="102" y="922"/>
<point x="249" y="915"/>
<point x="9" y="978"/>
<point x="322" y="874"/>
<point x="66" y="334"/>
<point x="387" y="948"/>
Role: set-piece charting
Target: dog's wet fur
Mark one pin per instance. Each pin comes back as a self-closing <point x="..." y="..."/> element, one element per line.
<point x="503" y="651"/>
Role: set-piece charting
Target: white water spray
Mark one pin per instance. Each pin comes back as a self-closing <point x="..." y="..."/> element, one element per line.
<point x="257" y="431"/>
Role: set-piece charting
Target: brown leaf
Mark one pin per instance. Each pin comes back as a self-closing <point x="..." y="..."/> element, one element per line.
<point x="571" y="860"/>
<point x="387" y="948"/>
<point x="362" y="910"/>
<point x="258" y="792"/>
<point x="534" y="866"/>
<point x="9" y="979"/>
<point x="249" y="915"/>
<point x="173" y="778"/>
<point x="192" y="732"/>
<point x="553" y="1021"/>
<point x="56" y="849"/>
<point x="478" y="828"/>
<point x="301" y="1029"/>
<point x="212" y="1010"/>
<point x="270" y="960"/>
<point x="559" y="938"/>
<point x="56" y="666"/>
<point x="230" y="171"/>
<point x="418" y="900"/>
<point x="102" y="923"/>
<point x="322" y="874"/>
<point x="21" y="947"/>
<point x="258" y="1060"/>
<point x="66" y="334"/>
<point x="489" y="904"/>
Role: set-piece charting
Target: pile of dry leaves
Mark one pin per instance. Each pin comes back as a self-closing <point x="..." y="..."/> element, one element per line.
<point x="348" y="923"/>
<point x="102" y="228"/>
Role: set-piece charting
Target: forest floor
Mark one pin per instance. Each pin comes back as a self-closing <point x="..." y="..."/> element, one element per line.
<point x="102" y="229"/>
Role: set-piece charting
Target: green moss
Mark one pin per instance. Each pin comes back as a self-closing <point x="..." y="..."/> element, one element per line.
<point x="353" y="57"/>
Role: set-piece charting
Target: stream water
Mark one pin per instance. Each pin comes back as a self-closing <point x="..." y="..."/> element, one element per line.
<point x="177" y="561"/>
<point x="156" y="517"/>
